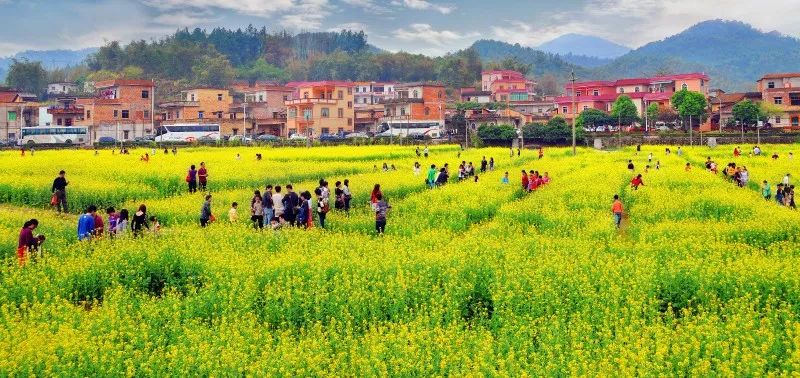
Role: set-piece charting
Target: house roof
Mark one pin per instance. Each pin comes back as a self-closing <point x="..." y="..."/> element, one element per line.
<point x="476" y="93"/>
<point x="686" y="76"/>
<point x="6" y="97"/>
<point x="419" y="84"/>
<point x="594" y="83"/>
<point x="502" y="72"/>
<point x="633" y="81"/>
<point x="780" y="75"/>
<point x="274" y="88"/>
<point x="324" y="83"/>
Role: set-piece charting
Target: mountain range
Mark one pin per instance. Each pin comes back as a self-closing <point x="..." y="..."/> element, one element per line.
<point x="50" y="59"/>
<point x="733" y="53"/>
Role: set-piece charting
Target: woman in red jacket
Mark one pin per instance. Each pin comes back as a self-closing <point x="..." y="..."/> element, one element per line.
<point x="26" y="240"/>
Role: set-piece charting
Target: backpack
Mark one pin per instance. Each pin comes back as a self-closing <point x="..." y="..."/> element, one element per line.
<point x="326" y="207"/>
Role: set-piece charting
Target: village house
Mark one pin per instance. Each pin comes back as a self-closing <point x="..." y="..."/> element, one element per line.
<point x="473" y="95"/>
<point x="120" y="109"/>
<point x="368" y="93"/>
<point x="61" y="89"/>
<point x="415" y="104"/>
<point x="507" y="86"/>
<point x="319" y="108"/>
<point x="643" y="91"/>
<point x="722" y="103"/>
<point x="783" y="91"/>
<point x="197" y="105"/>
<point x="16" y="111"/>
<point x="265" y="110"/>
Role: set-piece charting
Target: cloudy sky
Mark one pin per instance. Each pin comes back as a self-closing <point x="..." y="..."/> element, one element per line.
<point x="425" y="26"/>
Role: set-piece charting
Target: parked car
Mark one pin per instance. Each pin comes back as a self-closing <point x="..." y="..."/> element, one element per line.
<point x="142" y="139"/>
<point x="106" y="140"/>
<point x="297" y="137"/>
<point x="241" y="139"/>
<point x="330" y="137"/>
<point x="356" y="135"/>
<point x="267" y="138"/>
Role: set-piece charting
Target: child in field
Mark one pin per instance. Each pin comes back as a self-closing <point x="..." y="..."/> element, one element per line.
<point x="616" y="209"/>
<point x="156" y="225"/>
<point x="688" y="167"/>
<point x="233" y="213"/>
<point x="636" y="182"/>
<point x="381" y="208"/>
<point x="766" y="190"/>
<point x="113" y="219"/>
<point x="504" y="180"/>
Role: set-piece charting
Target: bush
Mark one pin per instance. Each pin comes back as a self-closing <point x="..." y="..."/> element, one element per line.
<point x="555" y="131"/>
<point x="499" y="132"/>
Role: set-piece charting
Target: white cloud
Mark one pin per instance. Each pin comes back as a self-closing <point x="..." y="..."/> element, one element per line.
<point x="354" y="26"/>
<point x="368" y="6"/>
<point x="184" y="18"/>
<point x="424" y="5"/>
<point x="428" y="40"/>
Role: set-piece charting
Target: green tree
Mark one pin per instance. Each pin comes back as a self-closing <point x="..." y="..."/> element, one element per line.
<point x="214" y="72"/>
<point x="593" y="118"/>
<point x="261" y="70"/>
<point x="652" y="112"/>
<point x="555" y="131"/>
<point x="27" y="76"/>
<point x="510" y="63"/>
<point x="499" y="132"/>
<point x="691" y="105"/>
<point x="769" y="110"/>
<point x="624" y="111"/>
<point x="747" y="112"/>
<point x="132" y="72"/>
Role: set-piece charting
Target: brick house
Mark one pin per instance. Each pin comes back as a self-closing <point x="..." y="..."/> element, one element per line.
<point x="415" y="103"/>
<point x="320" y="107"/>
<point x="782" y="90"/>
<point x="121" y="109"/>
<point x="16" y="112"/>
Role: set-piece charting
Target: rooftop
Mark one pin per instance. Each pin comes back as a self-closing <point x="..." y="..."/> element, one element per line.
<point x="780" y="75"/>
<point x="324" y="83"/>
<point x="123" y="82"/>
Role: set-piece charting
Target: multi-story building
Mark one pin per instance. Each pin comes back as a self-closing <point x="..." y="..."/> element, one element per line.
<point x="121" y="109"/>
<point x="722" y="105"/>
<point x="320" y="107"/>
<point x="368" y="119"/>
<point x="782" y="90"/>
<point x="16" y="112"/>
<point x="473" y="95"/>
<point x="643" y="91"/>
<point x="197" y="105"/>
<point x="265" y="109"/>
<point x="416" y="106"/>
<point x="507" y="86"/>
<point x="60" y="89"/>
<point x="368" y="93"/>
<point x="67" y="112"/>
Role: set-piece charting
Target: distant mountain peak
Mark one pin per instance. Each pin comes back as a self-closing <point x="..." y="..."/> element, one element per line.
<point x="585" y="45"/>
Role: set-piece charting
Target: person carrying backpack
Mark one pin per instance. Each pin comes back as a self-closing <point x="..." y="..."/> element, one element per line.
<point x="322" y="207"/>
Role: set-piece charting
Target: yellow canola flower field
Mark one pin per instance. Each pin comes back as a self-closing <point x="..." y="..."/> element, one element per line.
<point x="470" y="278"/>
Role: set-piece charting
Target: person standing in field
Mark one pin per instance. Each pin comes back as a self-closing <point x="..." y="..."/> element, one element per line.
<point x="630" y="166"/>
<point x="541" y="153"/>
<point x="484" y="165"/>
<point x="99" y="227"/>
<point x="425" y="152"/>
<point x="373" y="198"/>
<point x="139" y="221"/>
<point x="269" y="206"/>
<point x="525" y="181"/>
<point x="202" y="176"/>
<point x="86" y="223"/>
<point x="291" y="201"/>
<point x="504" y="180"/>
<point x="766" y="190"/>
<point x="257" y="209"/>
<point x="347" y="195"/>
<point x="432" y="176"/>
<point x="205" y="212"/>
<point x="113" y="219"/>
<point x="322" y="207"/>
<point x="191" y="179"/>
<point x="616" y="210"/>
<point x="233" y="213"/>
<point x="59" y="190"/>
<point x="381" y="208"/>
<point x="338" y="195"/>
<point x="122" y="223"/>
<point x="27" y="241"/>
<point x="491" y="163"/>
<point x="277" y="202"/>
<point x="304" y="218"/>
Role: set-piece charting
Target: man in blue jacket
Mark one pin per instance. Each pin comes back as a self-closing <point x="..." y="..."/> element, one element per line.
<point x="86" y="223"/>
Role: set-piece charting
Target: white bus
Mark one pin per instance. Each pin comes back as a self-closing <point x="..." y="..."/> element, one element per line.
<point x="410" y="129"/>
<point x="187" y="133"/>
<point x="31" y="136"/>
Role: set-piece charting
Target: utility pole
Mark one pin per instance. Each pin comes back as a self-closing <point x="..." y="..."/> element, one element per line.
<point x="691" y="141"/>
<point x="574" y="116"/>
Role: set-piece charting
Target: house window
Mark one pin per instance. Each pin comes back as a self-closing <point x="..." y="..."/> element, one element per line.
<point x="503" y="97"/>
<point x="200" y="114"/>
<point x="402" y="111"/>
<point x="340" y="94"/>
<point x="116" y="113"/>
<point x="350" y="91"/>
<point x="12" y="116"/>
<point x="794" y="98"/>
<point x="578" y="93"/>
<point x="427" y="111"/>
<point x="88" y="114"/>
<point x="145" y="94"/>
<point x="540" y="110"/>
<point x="67" y="121"/>
<point x="177" y="114"/>
<point x="261" y="98"/>
<point x="125" y="134"/>
<point x="439" y="95"/>
<point x="595" y="92"/>
<point x="326" y="130"/>
<point x="235" y="131"/>
<point x="771" y="84"/>
<point x="777" y="119"/>
<point x="146" y="114"/>
<point x="795" y="121"/>
<point x="684" y="86"/>
<point x="219" y="96"/>
<point x="192" y="97"/>
<point x="586" y="107"/>
<point x="636" y="89"/>
<point x="341" y="113"/>
<point x="59" y="122"/>
<point x="292" y="113"/>
<point x="349" y="104"/>
<point x="622" y="90"/>
<point x="777" y="100"/>
<point x="564" y="110"/>
<point x="307" y="114"/>
<point x="285" y="98"/>
<point x="702" y="82"/>
<point x="349" y="122"/>
<point x="325" y="113"/>
<point x="125" y="114"/>
<point x="219" y="115"/>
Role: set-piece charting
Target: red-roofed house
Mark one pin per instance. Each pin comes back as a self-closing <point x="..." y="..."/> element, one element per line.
<point x="415" y="106"/>
<point x="507" y="86"/>
<point x="643" y="91"/>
